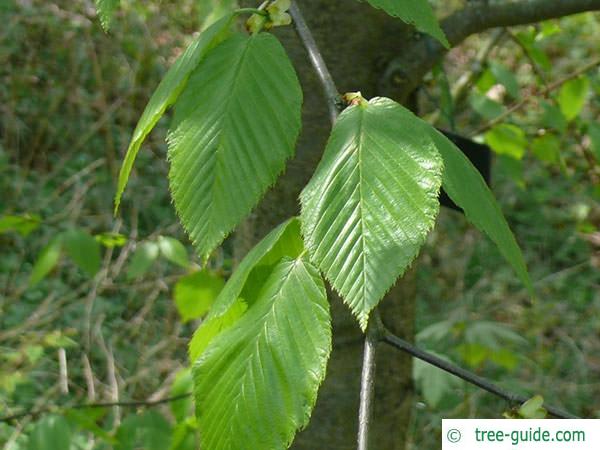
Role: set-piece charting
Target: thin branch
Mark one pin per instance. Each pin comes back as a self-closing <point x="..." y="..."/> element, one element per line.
<point x="125" y="404"/>
<point x="334" y="101"/>
<point x="367" y="380"/>
<point x="466" y="375"/>
<point x="543" y="93"/>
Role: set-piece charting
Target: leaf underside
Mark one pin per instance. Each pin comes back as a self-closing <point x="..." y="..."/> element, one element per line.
<point x="466" y="187"/>
<point x="235" y="125"/>
<point x="167" y="93"/>
<point x="257" y="382"/>
<point x="284" y="240"/>
<point x="414" y="12"/>
<point x="372" y="201"/>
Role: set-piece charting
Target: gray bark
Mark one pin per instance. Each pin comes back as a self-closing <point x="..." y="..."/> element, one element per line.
<point x="371" y="52"/>
<point x="355" y="41"/>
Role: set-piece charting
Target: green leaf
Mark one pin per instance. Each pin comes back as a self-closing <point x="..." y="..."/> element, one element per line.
<point x="546" y="148"/>
<point x="533" y="408"/>
<point x="149" y="431"/>
<point x="492" y="335"/>
<point x="83" y="249"/>
<point x="553" y="117"/>
<point x="23" y="225"/>
<point x="594" y="134"/>
<point x="283" y="241"/>
<point x="486" y="81"/>
<point x="212" y="10"/>
<point x="572" y="97"/>
<point x="195" y="293"/>
<point x="46" y="261"/>
<point x="142" y="259"/>
<point x="414" y="12"/>
<point x="184" y="435"/>
<point x="528" y="39"/>
<point x="111" y="240"/>
<point x="484" y="106"/>
<point x="174" y="251"/>
<point x="256" y="384"/>
<point x="466" y="187"/>
<point x="182" y="384"/>
<point x="88" y="419"/>
<point x="507" y="139"/>
<point x="434" y="383"/>
<point x="50" y="433"/>
<point x="235" y="125"/>
<point x="167" y="93"/>
<point x="439" y="331"/>
<point x="372" y="201"/>
<point x="507" y="78"/>
<point x="213" y="326"/>
<point x="106" y="10"/>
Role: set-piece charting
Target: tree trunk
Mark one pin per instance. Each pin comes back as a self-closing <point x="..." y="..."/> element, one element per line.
<point x="355" y="42"/>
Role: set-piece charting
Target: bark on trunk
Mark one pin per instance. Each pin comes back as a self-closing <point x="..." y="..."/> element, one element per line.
<point x="355" y="42"/>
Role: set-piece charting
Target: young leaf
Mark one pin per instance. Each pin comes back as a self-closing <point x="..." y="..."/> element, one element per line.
<point x="465" y="186"/>
<point x="174" y="251"/>
<point x="23" y="225"/>
<point x="533" y="408"/>
<point x="106" y="10"/>
<point x="507" y="139"/>
<point x="111" y="240"/>
<point x="257" y="382"/>
<point x="572" y="97"/>
<point x="414" y="12"/>
<point x="46" y="261"/>
<point x="142" y="259"/>
<point x="235" y="125"/>
<point x="167" y="93"/>
<point x="83" y="249"/>
<point x="195" y="293"/>
<point x="372" y="201"/>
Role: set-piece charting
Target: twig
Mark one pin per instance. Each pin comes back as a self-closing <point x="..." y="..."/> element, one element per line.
<point x="63" y="372"/>
<point x="367" y="381"/>
<point x="466" y="375"/>
<point x="543" y="93"/>
<point x="121" y="404"/>
<point x="88" y="374"/>
<point x="334" y="101"/>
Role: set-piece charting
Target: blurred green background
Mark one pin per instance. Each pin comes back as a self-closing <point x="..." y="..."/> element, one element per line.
<point x="98" y="309"/>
